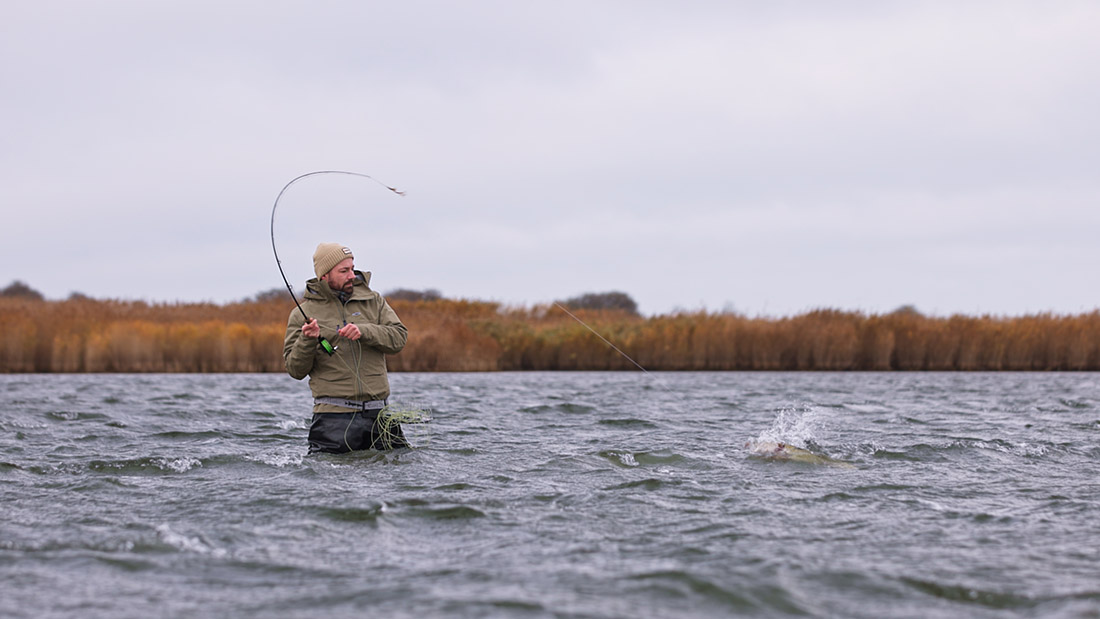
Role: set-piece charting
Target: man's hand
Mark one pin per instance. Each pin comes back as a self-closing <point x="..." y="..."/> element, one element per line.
<point x="310" y="329"/>
<point x="350" y="331"/>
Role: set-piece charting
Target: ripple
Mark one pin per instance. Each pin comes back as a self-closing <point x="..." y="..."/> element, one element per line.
<point x="74" y="415"/>
<point x="279" y="460"/>
<point x="971" y="595"/>
<point x="181" y="435"/>
<point x="619" y="458"/>
<point x="176" y="397"/>
<point x="449" y="512"/>
<point x="686" y="585"/>
<point x="456" y="486"/>
<point x="156" y="464"/>
<point x="369" y="513"/>
<point x="651" y="484"/>
<point x="565" y="407"/>
<point x="627" y="423"/>
<point x="667" y="457"/>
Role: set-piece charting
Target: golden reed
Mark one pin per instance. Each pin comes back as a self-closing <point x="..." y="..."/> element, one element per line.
<point x="86" y="335"/>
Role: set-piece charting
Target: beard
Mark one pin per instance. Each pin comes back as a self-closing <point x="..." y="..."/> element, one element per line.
<point x="347" y="287"/>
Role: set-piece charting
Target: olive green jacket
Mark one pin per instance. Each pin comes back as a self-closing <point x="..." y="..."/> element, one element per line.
<point x="357" y="371"/>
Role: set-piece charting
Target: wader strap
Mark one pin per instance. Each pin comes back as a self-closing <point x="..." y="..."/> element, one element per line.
<point x="358" y="405"/>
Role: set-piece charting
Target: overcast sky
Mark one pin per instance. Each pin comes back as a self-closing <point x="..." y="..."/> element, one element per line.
<point x="761" y="157"/>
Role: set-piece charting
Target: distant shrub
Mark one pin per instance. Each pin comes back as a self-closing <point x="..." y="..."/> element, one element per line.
<point x="267" y="296"/>
<point x="907" y="310"/>
<point x="603" y="301"/>
<point x="404" y="294"/>
<point x="19" y="290"/>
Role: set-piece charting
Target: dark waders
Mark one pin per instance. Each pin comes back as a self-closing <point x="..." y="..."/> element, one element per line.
<point x="344" y="432"/>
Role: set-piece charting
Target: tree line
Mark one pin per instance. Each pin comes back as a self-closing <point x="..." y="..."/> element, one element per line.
<point x="80" y="334"/>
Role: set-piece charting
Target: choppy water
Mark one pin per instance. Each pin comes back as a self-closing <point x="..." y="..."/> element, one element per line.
<point x="555" y="494"/>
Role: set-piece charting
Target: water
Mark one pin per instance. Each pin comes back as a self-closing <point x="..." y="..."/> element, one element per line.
<point x="556" y="494"/>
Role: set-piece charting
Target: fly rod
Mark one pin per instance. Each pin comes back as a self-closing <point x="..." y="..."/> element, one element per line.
<point x="325" y="344"/>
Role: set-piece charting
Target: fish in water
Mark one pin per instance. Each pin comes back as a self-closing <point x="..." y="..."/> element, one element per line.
<point x="773" y="450"/>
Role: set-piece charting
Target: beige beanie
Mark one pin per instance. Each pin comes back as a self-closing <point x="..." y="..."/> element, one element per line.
<point x="329" y="255"/>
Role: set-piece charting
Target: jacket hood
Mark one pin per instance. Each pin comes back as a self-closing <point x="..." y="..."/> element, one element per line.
<point x="318" y="290"/>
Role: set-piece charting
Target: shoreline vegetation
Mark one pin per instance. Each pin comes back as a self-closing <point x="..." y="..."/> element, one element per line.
<point x="82" y="334"/>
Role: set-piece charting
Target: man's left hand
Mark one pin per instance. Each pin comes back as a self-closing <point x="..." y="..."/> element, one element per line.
<point x="350" y="331"/>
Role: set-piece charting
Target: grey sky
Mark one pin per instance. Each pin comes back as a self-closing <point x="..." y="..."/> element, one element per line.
<point x="763" y="157"/>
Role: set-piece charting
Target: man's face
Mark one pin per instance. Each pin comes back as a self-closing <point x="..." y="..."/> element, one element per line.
<point x="342" y="276"/>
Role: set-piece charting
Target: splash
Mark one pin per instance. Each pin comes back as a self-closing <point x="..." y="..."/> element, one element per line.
<point x="792" y="436"/>
<point x="793" y="426"/>
<point x="184" y="543"/>
<point x="278" y="460"/>
<point x="177" y="465"/>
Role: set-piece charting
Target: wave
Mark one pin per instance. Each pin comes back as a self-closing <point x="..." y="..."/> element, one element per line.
<point x="74" y="416"/>
<point x="684" y="585"/>
<point x="187" y="543"/>
<point x="957" y="448"/>
<point x="631" y="459"/>
<point x="366" y="514"/>
<point x="155" y="463"/>
<point x="628" y="422"/>
<point x="278" y="460"/>
<point x="998" y="600"/>
<point x="163" y="464"/>
<point x="448" y="512"/>
<point x="565" y="407"/>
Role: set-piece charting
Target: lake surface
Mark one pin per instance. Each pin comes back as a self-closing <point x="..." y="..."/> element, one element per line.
<point x="556" y="495"/>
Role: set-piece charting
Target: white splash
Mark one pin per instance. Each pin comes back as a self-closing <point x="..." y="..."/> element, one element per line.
<point x="626" y="458"/>
<point x="793" y="426"/>
<point x="279" y="460"/>
<point x="792" y="436"/>
<point x="178" y="465"/>
<point x="292" y="424"/>
<point x="187" y="544"/>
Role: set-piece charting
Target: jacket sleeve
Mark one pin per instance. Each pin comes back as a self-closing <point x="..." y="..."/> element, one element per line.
<point x="298" y="351"/>
<point x="389" y="335"/>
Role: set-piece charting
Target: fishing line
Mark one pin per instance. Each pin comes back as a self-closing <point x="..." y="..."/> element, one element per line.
<point x="614" y="347"/>
<point x="389" y="425"/>
<point x="325" y="345"/>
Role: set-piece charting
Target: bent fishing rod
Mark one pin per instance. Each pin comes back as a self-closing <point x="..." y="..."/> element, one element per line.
<point x="325" y="345"/>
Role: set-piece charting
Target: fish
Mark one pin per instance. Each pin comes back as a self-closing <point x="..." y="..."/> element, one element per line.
<point x="774" y="450"/>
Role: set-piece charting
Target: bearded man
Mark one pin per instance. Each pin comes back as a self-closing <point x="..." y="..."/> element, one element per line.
<point x="343" y="350"/>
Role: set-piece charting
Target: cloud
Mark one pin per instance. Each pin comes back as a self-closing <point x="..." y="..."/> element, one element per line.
<point x="773" y="157"/>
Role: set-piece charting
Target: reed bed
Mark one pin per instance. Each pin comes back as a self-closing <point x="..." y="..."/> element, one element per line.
<point x="87" y="335"/>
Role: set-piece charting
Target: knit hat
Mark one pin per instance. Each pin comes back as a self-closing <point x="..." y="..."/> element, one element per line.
<point x="329" y="255"/>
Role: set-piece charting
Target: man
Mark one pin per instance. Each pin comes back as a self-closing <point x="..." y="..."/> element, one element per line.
<point x="349" y="384"/>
